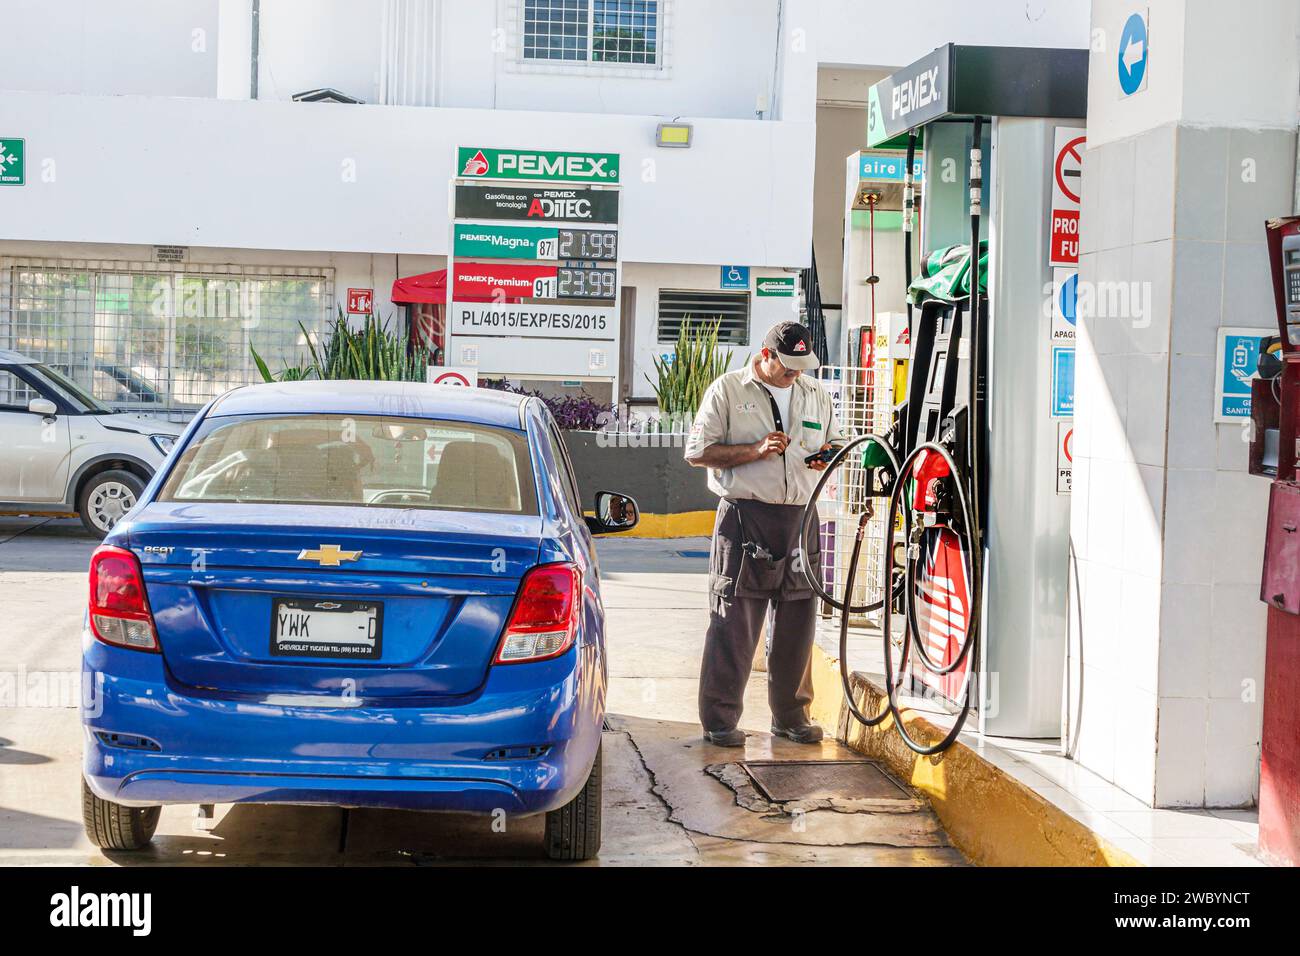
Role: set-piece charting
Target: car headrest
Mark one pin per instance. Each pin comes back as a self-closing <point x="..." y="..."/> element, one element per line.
<point x="475" y="475"/>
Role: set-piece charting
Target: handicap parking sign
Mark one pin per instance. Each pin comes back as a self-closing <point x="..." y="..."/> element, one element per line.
<point x="735" y="277"/>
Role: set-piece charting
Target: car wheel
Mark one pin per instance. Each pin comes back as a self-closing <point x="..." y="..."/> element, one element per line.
<point x="106" y="498"/>
<point x="115" y="827"/>
<point x="573" y="831"/>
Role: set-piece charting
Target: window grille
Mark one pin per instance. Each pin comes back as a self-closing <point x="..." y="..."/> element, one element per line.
<point x="160" y="337"/>
<point x="729" y="309"/>
<point x="620" y="32"/>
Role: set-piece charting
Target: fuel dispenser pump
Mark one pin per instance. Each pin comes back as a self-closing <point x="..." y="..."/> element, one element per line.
<point x="930" y="470"/>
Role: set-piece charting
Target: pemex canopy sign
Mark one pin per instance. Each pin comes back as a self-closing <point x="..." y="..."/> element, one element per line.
<point x="474" y="162"/>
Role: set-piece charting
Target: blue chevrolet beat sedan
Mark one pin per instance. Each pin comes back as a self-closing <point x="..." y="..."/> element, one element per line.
<point x="354" y="594"/>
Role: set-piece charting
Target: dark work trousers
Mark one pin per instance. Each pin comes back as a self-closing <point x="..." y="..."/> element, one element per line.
<point x="754" y="561"/>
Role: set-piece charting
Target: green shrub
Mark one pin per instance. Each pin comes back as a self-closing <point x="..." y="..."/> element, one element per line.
<point x="697" y="360"/>
<point x="370" y="353"/>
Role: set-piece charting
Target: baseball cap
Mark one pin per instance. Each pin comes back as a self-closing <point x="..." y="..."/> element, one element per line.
<point x="793" y="345"/>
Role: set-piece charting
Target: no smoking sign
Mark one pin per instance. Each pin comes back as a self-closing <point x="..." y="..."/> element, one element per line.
<point x="1064" y="457"/>
<point x="1067" y="175"/>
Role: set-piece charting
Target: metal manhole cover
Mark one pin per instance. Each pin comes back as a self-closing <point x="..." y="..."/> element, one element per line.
<point x="784" y="780"/>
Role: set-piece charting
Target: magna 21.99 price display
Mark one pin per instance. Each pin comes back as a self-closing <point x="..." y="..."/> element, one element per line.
<point x="598" y="244"/>
<point x="585" y="283"/>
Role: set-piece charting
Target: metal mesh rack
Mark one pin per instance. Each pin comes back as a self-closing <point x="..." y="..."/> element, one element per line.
<point x="160" y="337"/>
<point x="862" y="406"/>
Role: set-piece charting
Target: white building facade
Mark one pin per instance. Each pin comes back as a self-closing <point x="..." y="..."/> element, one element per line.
<point x="168" y="220"/>
<point x="178" y="208"/>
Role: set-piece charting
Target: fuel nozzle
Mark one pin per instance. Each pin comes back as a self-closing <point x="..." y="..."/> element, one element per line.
<point x="877" y="471"/>
<point x="929" y="471"/>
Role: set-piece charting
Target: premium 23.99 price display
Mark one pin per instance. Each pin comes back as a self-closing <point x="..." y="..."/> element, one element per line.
<point x="586" y="283"/>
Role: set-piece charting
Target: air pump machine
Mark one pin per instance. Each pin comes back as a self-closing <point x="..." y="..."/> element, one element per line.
<point x="968" y="472"/>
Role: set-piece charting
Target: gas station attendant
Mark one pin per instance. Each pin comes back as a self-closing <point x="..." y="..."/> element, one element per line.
<point x="754" y="431"/>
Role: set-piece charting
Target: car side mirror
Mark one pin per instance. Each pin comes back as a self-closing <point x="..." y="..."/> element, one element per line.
<point x="43" y="407"/>
<point x="614" y="512"/>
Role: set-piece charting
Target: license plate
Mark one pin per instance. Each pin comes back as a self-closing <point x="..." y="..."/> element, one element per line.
<point x="302" y="627"/>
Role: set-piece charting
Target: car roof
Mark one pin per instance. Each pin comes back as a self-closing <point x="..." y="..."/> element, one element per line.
<point x="415" y="399"/>
<point x="10" y="357"/>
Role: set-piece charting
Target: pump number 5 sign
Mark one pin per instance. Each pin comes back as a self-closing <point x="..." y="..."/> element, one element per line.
<point x="1067" y="174"/>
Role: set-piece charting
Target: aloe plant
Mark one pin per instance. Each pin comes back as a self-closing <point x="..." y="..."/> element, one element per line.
<point x="370" y="353"/>
<point x="697" y="360"/>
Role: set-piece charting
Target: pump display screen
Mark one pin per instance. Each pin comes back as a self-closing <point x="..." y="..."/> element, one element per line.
<point x="598" y="244"/>
<point x="586" y="283"/>
<point x="1291" y="267"/>
<point x="936" y="377"/>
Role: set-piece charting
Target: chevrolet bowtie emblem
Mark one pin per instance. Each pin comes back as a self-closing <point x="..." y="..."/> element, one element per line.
<point x="329" y="555"/>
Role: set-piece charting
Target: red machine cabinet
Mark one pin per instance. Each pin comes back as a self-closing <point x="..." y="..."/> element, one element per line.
<point x="1279" y="784"/>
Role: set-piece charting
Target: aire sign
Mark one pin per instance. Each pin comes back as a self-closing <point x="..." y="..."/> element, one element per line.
<point x="476" y="162"/>
<point x="1067" y="174"/>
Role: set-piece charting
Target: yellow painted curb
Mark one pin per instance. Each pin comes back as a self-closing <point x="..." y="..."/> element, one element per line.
<point x="993" y="818"/>
<point x="684" y="524"/>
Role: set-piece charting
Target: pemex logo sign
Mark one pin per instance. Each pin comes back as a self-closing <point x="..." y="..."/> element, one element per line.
<point x="483" y="163"/>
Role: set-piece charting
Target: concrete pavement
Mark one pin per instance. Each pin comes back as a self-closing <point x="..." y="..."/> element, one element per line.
<point x="665" y="803"/>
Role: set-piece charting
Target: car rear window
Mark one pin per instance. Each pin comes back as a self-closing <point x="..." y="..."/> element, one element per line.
<point x="371" y="460"/>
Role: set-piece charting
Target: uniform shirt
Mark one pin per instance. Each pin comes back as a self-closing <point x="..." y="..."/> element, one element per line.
<point x="737" y="410"/>
<point x="782" y="396"/>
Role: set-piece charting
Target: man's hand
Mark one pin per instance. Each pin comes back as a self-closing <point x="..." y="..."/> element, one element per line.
<point x="774" y="443"/>
<point x="820" y="465"/>
<point x="733" y="456"/>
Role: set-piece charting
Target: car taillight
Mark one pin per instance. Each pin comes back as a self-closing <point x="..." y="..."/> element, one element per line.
<point x="119" y="609"/>
<point x="545" y="617"/>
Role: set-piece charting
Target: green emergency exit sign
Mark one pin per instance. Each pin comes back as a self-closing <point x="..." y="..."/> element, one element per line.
<point x="780" y="286"/>
<point x="13" y="162"/>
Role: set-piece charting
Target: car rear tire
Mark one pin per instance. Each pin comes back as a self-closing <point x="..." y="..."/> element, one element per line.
<point x="112" y="826"/>
<point x="573" y="831"/>
<point x="105" y="498"/>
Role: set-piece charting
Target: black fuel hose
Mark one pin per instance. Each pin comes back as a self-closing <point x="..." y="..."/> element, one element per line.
<point x="894" y="678"/>
<point x="974" y="578"/>
<point x="810" y="511"/>
<point x="845" y="607"/>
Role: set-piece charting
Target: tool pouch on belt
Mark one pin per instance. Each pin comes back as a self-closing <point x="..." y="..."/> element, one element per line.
<point x="755" y="552"/>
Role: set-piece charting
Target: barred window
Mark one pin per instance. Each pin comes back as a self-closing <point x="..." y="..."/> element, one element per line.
<point x="160" y="337"/>
<point x="622" y="32"/>
<point x="729" y="309"/>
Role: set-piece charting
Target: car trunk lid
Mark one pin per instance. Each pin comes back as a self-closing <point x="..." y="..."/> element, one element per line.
<point x="227" y="582"/>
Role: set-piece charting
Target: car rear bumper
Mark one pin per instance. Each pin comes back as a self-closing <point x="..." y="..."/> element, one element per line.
<point x="524" y="745"/>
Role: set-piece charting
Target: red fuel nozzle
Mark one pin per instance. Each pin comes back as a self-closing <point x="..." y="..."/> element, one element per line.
<point x="927" y="471"/>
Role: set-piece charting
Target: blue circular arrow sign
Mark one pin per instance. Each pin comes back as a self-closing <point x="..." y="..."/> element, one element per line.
<point x="1070" y="298"/>
<point x="1133" y="54"/>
